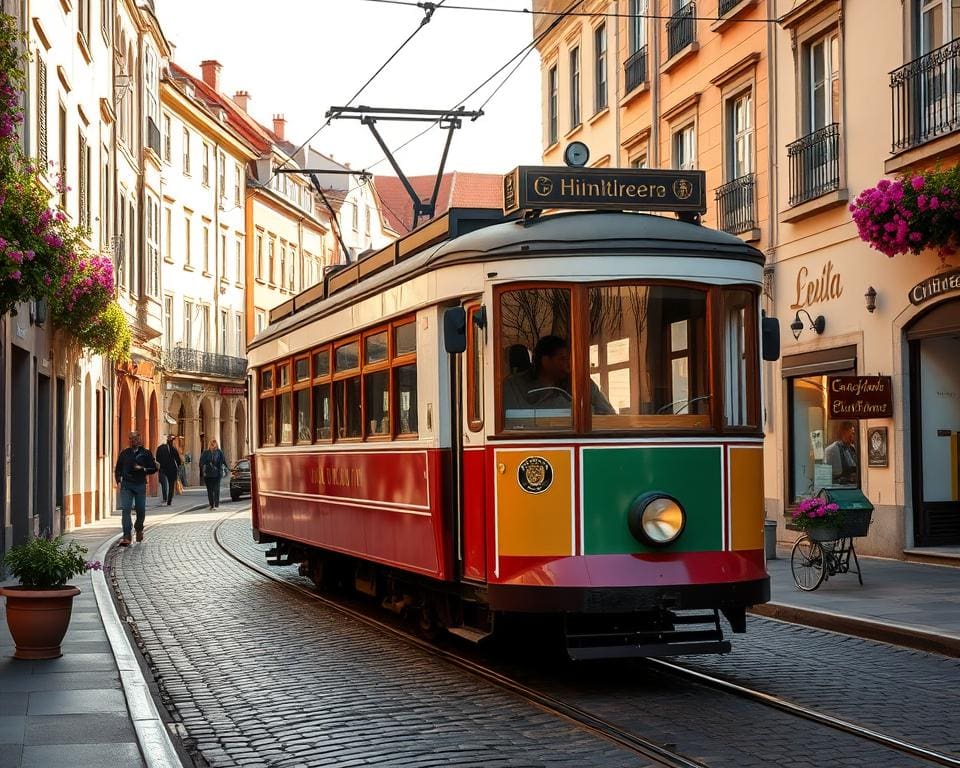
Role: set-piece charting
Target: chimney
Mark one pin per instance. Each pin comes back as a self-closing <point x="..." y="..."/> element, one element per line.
<point x="242" y="99"/>
<point x="211" y="73"/>
<point x="279" y="123"/>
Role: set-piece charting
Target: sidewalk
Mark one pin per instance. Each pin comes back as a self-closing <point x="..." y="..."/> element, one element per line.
<point x="78" y="711"/>
<point x="905" y="603"/>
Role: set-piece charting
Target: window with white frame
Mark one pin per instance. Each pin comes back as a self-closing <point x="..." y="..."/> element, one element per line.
<point x="204" y="330"/>
<point x="271" y="257"/>
<point x="166" y="138"/>
<point x="188" y="340"/>
<point x="638" y="25"/>
<point x="238" y="335"/>
<point x="574" y="87"/>
<point x="152" y="255"/>
<point x="187" y="238"/>
<point x="237" y="185"/>
<point x="167" y="237"/>
<point x="261" y="320"/>
<point x="281" y="280"/>
<point x="151" y="79"/>
<point x="600" y="68"/>
<point x="639" y="161"/>
<point x="222" y="174"/>
<point x="258" y="273"/>
<point x="685" y="148"/>
<point x="823" y="82"/>
<point x="206" y="248"/>
<point x="740" y="135"/>
<point x="224" y="331"/>
<point x="223" y="255"/>
<point x="937" y="23"/>
<point x="186" y="151"/>
<point x="553" y="105"/>
<point x="205" y="168"/>
<point x="168" y="321"/>
<point x="238" y="261"/>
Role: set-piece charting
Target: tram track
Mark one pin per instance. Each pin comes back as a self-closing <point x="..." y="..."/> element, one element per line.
<point x="651" y="750"/>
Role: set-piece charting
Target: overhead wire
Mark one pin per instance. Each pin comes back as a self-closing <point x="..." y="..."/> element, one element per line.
<point x="589" y="14"/>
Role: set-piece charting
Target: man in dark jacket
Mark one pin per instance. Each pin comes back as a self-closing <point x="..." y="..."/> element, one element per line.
<point x="133" y="466"/>
<point x="168" y="457"/>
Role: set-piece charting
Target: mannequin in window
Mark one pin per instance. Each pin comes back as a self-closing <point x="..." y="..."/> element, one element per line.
<point x="841" y="454"/>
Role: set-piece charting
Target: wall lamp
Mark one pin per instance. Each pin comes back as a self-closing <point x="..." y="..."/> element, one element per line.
<point x="871" y="299"/>
<point x="815" y="325"/>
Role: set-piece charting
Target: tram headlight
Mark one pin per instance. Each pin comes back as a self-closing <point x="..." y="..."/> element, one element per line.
<point x="656" y="519"/>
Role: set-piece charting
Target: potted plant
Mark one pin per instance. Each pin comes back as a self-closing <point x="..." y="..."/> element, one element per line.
<point x="38" y="611"/>
<point x="820" y="519"/>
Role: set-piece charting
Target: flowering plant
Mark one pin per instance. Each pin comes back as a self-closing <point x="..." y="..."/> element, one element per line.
<point x="48" y="563"/>
<point x="911" y="214"/>
<point x="109" y="335"/>
<point x="816" y="512"/>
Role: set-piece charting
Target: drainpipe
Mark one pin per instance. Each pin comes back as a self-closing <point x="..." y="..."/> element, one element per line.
<point x="773" y="228"/>
<point x="617" y="69"/>
<point x="217" y="197"/>
<point x="653" y="150"/>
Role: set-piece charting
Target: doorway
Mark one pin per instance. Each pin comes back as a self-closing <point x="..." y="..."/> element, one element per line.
<point x="935" y="413"/>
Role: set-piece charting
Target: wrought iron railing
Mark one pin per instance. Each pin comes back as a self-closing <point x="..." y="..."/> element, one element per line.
<point x="153" y="136"/>
<point x="735" y="209"/>
<point x="186" y="360"/>
<point x="814" y="164"/>
<point x="681" y="29"/>
<point x="726" y="6"/>
<point x="635" y="69"/>
<point x="926" y="97"/>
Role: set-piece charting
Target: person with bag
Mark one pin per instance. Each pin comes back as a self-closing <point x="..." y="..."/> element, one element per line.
<point x="133" y="465"/>
<point x="212" y="466"/>
<point x="168" y="457"/>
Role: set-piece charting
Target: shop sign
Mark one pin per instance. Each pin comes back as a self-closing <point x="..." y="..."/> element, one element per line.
<point x="179" y="386"/>
<point x="935" y="286"/>
<point x="816" y="290"/>
<point x="860" y="397"/>
<point x="531" y="187"/>
<point x="233" y="390"/>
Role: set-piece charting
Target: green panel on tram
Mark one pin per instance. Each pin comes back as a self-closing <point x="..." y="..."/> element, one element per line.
<point x="614" y="477"/>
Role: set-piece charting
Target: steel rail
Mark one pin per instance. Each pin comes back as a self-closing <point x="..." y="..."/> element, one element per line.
<point x="798" y="710"/>
<point x="581" y="718"/>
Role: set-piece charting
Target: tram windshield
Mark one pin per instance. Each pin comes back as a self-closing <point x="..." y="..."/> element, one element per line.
<point x="638" y="354"/>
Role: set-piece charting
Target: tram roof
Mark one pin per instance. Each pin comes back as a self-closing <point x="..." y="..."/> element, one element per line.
<point x="463" y="235"/>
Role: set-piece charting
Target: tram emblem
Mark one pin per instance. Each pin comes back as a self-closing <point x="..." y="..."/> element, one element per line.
<point x="682" y="188"/>
<point x="535" y="474"/>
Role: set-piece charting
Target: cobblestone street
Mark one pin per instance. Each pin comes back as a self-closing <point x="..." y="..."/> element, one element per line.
<point x="261" y="676"/>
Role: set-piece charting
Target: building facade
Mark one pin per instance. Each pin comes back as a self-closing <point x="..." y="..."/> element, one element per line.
<point x="202" y="236"/>
<point x="864" y="91"/>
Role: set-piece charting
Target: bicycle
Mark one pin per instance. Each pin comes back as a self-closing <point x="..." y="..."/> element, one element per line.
<point x="823" y="552"/>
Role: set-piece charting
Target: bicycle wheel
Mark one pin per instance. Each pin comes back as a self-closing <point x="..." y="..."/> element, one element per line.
<point x="806" y="564"/>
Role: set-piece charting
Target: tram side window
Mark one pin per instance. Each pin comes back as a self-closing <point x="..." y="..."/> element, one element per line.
<point x="534" y="343"/>
<point x="268" y="434"/>
<point x="377" y="387"/>
<point x="321" y="412"/>
<point x="406" y="387"/>
<point x="739" y="359"/>
<point x="648" y="356"/>
<point x="286" y="418"/>
<point x="346" y="395"/>
<point x="303" y="415"/>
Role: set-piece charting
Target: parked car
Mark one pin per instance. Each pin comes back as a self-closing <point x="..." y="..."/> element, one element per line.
<point x="240" y="479"/>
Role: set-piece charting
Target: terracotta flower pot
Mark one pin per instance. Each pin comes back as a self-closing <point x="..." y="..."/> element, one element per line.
<point x="38" y="619"/>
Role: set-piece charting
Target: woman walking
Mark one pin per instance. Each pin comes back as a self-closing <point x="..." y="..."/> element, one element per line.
<point x="212" y="464"/>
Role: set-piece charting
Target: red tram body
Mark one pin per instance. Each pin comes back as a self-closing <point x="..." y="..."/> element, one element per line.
<point x="625" y="500"/>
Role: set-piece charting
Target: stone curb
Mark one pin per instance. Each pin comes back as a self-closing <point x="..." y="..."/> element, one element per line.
<point x="158" y="751"/>
<point x="894" y="634"/>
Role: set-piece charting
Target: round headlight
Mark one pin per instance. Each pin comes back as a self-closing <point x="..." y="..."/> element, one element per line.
<point x="656" y="518"/>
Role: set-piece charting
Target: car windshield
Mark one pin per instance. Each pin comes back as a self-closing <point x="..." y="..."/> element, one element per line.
<point x="243" y="465"/>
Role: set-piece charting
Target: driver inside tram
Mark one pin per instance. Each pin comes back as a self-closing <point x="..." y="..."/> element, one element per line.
<point x="546" y="384"/>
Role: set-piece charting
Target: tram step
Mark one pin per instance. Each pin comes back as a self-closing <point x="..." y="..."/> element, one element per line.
<point x="279" y="556"/>
<point x="469" y="633"/>
<point x="669" y="633"/>
<point x="642" y="651"/>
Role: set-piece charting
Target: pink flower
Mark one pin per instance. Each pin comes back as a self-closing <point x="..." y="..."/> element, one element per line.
<point x="917" y="183"/>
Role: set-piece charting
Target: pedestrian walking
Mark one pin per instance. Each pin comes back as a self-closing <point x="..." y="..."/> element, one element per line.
<point x="168" y="458"/>
<point x="212" y="466"/>
<point x="133" y="465"/>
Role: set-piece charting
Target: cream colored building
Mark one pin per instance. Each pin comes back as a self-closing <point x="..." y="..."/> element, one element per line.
<point x="203" y="234"/>
<point x="856" y="100"/>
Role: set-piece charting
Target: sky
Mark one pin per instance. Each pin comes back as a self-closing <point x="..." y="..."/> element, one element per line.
<point x="299" y="57"/>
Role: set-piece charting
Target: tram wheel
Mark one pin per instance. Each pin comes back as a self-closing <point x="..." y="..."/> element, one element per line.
<point x="806" y="564"/>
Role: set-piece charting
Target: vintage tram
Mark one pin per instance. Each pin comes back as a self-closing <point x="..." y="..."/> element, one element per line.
<point x="553" y="416"/>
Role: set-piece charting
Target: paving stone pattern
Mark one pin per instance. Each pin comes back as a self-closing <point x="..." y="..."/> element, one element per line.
<point x="262" y="677"/>
<point x="716" y="728"/>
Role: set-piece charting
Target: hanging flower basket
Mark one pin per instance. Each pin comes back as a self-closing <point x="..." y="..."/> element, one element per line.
<point x="911" y="214"/>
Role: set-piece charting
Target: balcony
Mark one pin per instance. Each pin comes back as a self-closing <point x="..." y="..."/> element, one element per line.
<point x="926" y="97"/>
<point x="735" y="208"/>
<point x="153" y="136"/>
<point x="186" y="360"/>
<point x="681" y="29"/>
<point x="814" y="164"/>
<point x="635" y="69"/>
<point x="726" y="6"/>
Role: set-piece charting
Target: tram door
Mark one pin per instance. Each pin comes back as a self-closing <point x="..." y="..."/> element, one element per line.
<point x="473" y="526"/>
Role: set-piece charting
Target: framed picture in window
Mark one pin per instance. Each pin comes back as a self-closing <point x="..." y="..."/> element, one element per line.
<point x="877" y="447"/>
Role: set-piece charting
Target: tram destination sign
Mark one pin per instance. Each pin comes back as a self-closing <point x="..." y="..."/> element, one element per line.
<point x="859" y="397"/>
<point x="531" y="187"/>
